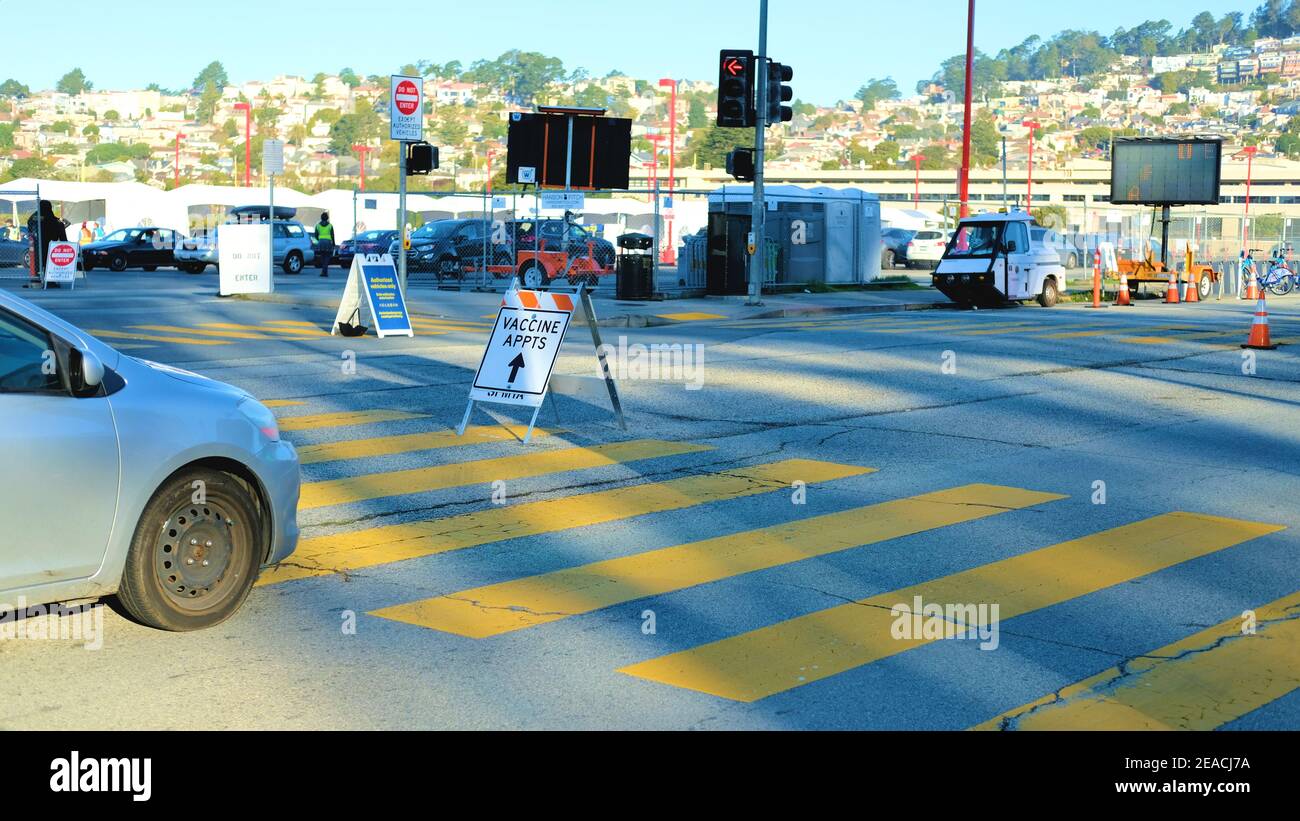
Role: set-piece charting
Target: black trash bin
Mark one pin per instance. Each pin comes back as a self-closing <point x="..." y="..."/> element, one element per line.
<point x="635" y="274"/>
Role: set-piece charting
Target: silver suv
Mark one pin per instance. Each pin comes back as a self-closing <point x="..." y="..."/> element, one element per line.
<point x="292" y="249"/>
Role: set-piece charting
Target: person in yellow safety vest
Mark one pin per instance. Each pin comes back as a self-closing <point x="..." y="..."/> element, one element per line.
<point x="324" y="243"/>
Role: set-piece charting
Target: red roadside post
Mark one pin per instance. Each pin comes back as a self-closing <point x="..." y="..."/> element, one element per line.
<point x="1096" y="281"/>
<point x="1249" y="151"/>
<point x="176" y="165"/>
<point x="964" y="183"/>
<point x="247" y="108"/>
<point x="916" y="198"/>
<point x="1032" y="125"/>
<point x="362" y="151"/>
<point x="670" y="253"/>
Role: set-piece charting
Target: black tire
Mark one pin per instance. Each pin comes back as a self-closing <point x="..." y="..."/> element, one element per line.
<point x="293" y="262"/>
<point x="1072" y="262"/>
<point x="193" y="267"/>
<point x="1050" y="295"/>
<point x="118" y="263"/>
<point x="27" y="260"/>
<point x="889" y="260"/>
<point x="533" y="271"/>
<point x="1204" y="286"/>
<point x="446" y="268"/>
<point x="164" y="583"/>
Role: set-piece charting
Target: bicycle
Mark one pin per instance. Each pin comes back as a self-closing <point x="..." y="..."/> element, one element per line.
<point x="1280" y="279"/>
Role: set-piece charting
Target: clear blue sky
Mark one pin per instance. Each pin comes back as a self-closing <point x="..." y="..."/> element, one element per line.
<point x="834" y="45"/>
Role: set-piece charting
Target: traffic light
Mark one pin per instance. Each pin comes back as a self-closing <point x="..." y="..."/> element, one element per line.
<point x="421" y="158"/>
<point x="778" y="92"/>
<point x="736" y="89"/>
<point x="740" y="164"/>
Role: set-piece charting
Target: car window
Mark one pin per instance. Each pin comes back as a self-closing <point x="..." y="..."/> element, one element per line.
<point x="1016" y="233"/>
<point x="27" y="361"/>
<point x="293" y="230"/>
<point x="928" y="235"/>
<point x="974" y="241"/>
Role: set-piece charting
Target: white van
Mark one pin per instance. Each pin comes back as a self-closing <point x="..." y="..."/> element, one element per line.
<point x="992" y="261"/>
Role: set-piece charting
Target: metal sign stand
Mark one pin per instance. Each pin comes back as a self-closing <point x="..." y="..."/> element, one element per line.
<point x="584" y="297"/>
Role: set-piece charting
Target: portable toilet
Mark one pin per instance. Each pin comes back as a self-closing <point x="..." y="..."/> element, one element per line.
<point x="814" y="235"/>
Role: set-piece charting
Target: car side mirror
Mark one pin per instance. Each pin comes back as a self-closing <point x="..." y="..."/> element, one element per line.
<point x="1011" y="246"/>
<point x="92" y="370"/>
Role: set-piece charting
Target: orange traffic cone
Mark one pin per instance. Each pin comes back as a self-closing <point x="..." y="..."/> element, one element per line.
<point x="1259" y="338"/>
<point x="1123" y="298"/>
<point x="1193" y="287"/>
<point x="1171" y="295"/>
<point x="1252" y="288"/>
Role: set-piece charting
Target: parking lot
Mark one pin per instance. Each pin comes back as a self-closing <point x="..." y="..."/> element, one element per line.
<point x="1121" y="482"/>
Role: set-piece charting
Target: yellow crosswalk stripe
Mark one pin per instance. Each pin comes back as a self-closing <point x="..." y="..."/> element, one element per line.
<point x="515" y="605"/>
<point x="344" y="419"/>
<point x="1013" y="328"/>
<point x="1109" y="331"/>
<point x="440" y="477"/>
<point x="406" y="443"/>
<point x="203" y="332"/>
<point x="1173" y="340"/>
<point x="282" y="403"/>
<point x="691" y="316"/>
<point x="947" y="326"/>
<point x="344" y="552"/>
<point x="299" y="322"/>
<point x="293" y="330"/>
<point x="790" y="654"/>
<point x="176" y="340"/>
<point x="1199" y="683"/>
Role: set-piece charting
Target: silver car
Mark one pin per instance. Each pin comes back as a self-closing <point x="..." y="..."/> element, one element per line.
<point x="123" y="476"/>
<point x="291" y="249"/>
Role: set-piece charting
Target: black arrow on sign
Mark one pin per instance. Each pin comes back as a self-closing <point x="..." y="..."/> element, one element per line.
<point x="514" y="366"/>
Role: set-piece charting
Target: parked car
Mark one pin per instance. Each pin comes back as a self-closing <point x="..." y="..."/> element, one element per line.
<point x="367" y="242"/>
<point x="449" y="248"/>
<point x="144" y="247"/>
<point x="15" y="252"/>
<point x="925" y="248"/>
<point x="895" y="240"/>
<point x="291" y="249"/>
<point x="1072" y="248"/>
<point x="158" y="485"/>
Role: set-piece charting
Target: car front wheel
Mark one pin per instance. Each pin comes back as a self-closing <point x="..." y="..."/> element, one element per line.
<point x="293" y="263"/>
<point x="532" y="275"/>
<point x="195" y="553"/>
<point x="118" y="263"/>
<point x="1050" y="296"/>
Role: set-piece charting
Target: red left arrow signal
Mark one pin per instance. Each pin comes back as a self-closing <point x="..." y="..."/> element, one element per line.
<point x="733" y="66"/>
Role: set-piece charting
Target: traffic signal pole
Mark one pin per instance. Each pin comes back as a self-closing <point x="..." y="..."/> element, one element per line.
<point x="758" y="216"/>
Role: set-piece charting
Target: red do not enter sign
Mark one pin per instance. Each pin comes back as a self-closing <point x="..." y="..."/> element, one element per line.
<point x="407" y="97"/>
<point x="62" y="254"/>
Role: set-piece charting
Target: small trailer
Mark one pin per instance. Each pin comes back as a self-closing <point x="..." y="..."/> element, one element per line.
<point x="991" y="261"/>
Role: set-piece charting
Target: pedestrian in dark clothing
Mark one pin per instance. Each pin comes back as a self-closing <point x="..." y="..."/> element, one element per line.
<point x="49" y="229"/>
<point x="324" y="243"/>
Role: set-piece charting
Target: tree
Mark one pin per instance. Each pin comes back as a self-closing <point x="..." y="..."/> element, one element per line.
<point x="15" y="89"/>
<point x="361" y="126"/>
<point x="31" y="167"/>
<point x="214" y="73"/>
<point x="876" y="90"/>
<point x="696" y="114"/>
<point x="6" y="136"/>
<point x="73" y="83"/>
<point x="985" y="139"/>
<point x="937" y="158"/>
<point x="208" y="100"/>
<point x="349" y="78"/>
<point x="709" y="147"/>
<point x="450" y="129"/>
<point x="523" y="74"/>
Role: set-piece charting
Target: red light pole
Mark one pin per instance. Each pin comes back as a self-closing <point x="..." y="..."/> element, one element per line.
<point x="176" y="166"/>
<point x="247" y="108"/>
<point x="670" y="254"/>
<point x="1032" y="125"/>
<point x="362" y="151"/>
<point x="653" y="168"/>
<point x="1249" y="151"/>
<point x="966" y="119"/>
<point x="655" y="140"/>
<point x="916" y="198"/>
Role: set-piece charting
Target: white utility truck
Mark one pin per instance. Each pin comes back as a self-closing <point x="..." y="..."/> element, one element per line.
<point x="991" y="261"/>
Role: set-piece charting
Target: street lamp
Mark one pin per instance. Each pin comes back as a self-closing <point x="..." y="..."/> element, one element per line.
<point x="655" y="139"/>
<point x="916" y="198"/>
<point x="247" y="108"/>
<point x="669" y="253"/>
<point x="653" y="168"/>
<point x="176" y="167"/>
<point x="1249" y="151"/>
<point x="362" y="151"/>
<point x="964" y="185"/>
<point x="1032" y="125"/>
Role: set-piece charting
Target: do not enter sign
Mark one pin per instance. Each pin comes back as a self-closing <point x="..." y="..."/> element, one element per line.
<point x="63" y="254"/>
<point x="406" y="110"/>
<point x="61" y="262"/>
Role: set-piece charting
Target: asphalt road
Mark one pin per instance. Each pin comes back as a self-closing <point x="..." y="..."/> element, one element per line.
<point x="1116" y="481"/>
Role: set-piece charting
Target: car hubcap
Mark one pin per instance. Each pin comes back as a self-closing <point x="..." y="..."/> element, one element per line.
<point x="193" y="553"/>
<point x="532" y="278"/>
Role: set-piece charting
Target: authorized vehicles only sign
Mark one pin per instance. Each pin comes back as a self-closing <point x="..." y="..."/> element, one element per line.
<point x="526" y="339"/>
